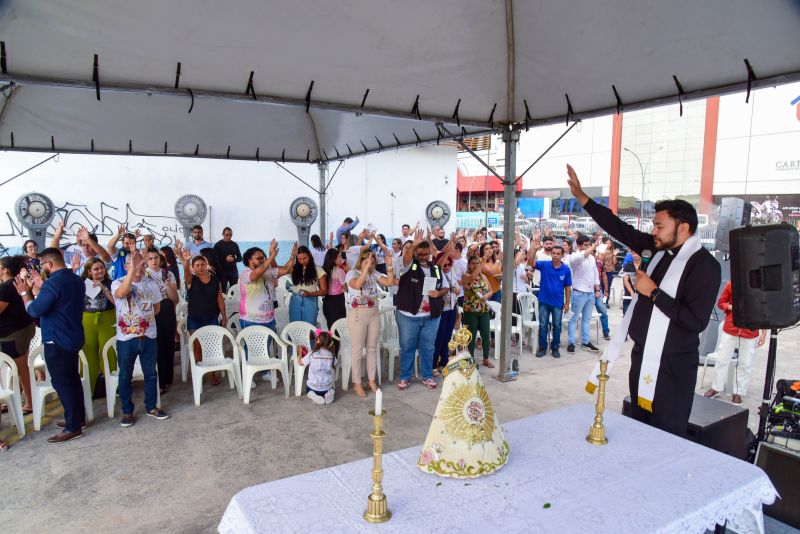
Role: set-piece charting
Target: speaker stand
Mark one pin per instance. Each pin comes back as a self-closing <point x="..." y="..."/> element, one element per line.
<point x="766" y="401"/>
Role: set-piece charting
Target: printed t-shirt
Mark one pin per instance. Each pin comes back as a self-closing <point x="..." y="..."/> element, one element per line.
<point x="136" y="312"/>
<point x="554" y="280"/>
<point x="473" y="301"/>
<point x="337" y="282"/>
<point x="320" y="369"/>
<point x="257" y="297"/>
<point x="98" y="303"/>
<point x="368" y="295"/>
<point x="161" y="278"/>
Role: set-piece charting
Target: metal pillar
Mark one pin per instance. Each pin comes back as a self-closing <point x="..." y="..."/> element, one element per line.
<point x="323" y="172"/>
<point x="510" y="139"/>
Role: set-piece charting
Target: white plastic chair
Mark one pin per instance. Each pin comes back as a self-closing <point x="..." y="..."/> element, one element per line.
<point x="86" y="382"/>
<point x="256" y="357"/>
<point x="712" y="358"/>
<point x="10" y="392"/>
<point x="281" y="318"/>
<point x="183" y="335"/>
<point x="41" y="389"/>
<point x="233" y="324"/>
<point x="390" y="341"/>
<point x="212" y="340"/>
<point x="298" y="334"/>
<point x="231" y="306"/>
<point x="233" y="291"/>
<point x="342" y="334"/>
<point x="36" y="340"/>
<point x="182" y="310"/>
<point x="527" y="303"/>
<point x="112" y="377"/>
<point x="495" y="325"/>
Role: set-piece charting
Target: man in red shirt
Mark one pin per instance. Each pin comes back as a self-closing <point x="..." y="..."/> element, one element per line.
<point x="733" y="339"/>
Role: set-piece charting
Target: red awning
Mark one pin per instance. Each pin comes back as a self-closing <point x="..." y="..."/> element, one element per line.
<point x="477" y="184"/>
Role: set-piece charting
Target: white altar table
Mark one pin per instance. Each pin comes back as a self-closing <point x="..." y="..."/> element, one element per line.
<point x="644" y="480"/>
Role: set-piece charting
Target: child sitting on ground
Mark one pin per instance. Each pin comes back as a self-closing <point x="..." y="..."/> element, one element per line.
<point x="320" y="362"/>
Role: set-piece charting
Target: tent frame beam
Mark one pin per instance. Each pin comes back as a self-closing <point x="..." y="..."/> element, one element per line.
<point x="299" y="103"/>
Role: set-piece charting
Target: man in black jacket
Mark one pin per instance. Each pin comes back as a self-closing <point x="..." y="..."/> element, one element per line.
<point x="418" y="312"/>
<point x="665" y="323"/>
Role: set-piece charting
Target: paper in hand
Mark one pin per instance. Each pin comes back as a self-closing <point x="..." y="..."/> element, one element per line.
<point x="91" y="290"/>
<point x="428" y="285"/>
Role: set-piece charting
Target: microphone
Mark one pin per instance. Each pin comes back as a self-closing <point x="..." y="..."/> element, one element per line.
<point x="646" y="256"/>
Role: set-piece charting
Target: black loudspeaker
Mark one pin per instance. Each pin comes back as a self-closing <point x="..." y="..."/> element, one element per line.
<point x="714" y="424"/>
<point x="765" y="276"/>
<point x="783" y="468"/>
<point x="733" y="213"/>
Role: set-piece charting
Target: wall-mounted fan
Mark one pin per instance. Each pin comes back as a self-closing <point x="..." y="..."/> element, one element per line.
<point x="437" y="213"/>
<point x="190" y="210"/>
<point x="35" y="211"/>
<point x="303" y="212"/>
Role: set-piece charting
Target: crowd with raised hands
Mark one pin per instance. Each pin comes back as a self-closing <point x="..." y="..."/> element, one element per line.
<point x="131" y="291"/>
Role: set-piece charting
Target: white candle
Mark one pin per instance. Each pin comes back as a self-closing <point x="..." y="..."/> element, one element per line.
<point x="378" y="402"/>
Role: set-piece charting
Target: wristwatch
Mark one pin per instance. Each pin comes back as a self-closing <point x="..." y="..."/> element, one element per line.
<point x="655" y="293"/>
<point x="23" y="293"/>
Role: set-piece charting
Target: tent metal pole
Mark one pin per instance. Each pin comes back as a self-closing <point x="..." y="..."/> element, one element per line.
<point x="323" y="170"/>
<point x="510" y="139"/>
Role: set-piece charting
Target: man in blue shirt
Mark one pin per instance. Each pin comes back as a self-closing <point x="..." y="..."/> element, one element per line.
<point x="556" y="280"/>
<point x="345" y="228"/>
<point x="59" y="308"/>
<point x="197" y="243"/>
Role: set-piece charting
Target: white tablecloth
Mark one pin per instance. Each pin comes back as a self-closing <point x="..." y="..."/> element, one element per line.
<point x="644" y="480"/>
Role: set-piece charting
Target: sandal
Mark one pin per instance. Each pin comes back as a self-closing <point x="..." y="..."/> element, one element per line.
<point x="3" y="446"/>
<point x="360" y="391"/>
<point x="488" y="364"/>
<point x="403" y="384"/>
<point x="373" y="386"/>
<point x="27" y="411"/>
<point x="215" y="379"/>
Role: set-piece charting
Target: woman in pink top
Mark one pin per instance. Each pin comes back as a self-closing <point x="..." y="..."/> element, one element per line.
<point x="333" y="306"/>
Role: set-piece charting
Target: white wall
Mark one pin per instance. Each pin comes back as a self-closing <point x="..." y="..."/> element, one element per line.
<point x="252" y="198"/>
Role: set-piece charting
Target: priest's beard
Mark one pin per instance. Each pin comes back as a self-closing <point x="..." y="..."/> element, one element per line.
<point x="671" y="243"/>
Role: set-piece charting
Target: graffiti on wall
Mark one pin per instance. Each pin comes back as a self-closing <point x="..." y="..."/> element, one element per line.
<point x="103" y="221"/>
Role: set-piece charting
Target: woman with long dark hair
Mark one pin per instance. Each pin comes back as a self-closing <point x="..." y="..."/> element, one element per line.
<point x="476" y="312"/>
<point x="214" y="266"/>
<point x="16" y="326"/>
<point x="318" y="251"/>
<point x="99" y="317"/>
<point x="333" y="306"/>
<point x="309" y="282"/>
<point x="172" y="262"/>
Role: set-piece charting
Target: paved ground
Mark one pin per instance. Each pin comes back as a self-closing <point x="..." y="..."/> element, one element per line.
<point x="178" y="475"/>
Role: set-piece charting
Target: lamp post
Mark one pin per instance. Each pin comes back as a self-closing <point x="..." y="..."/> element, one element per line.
<point x="643" y="170"/>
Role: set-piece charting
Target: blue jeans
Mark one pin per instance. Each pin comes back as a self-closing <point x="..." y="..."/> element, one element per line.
<point x="443" y="335"/>
<point x="244" y="324"/>
<point x="582" y="304"/>
<point x="416" y="334"/>
<point x="147" y="350"/>
<point x="601" y="309"/>
<point x="303" y="309"/>
<point x="546" y="311"/>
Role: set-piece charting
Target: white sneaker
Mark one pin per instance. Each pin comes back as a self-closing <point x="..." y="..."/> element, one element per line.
<point x="266" y="376"/>
<point x="315" y="398"/>
<point x="329" y="396"/>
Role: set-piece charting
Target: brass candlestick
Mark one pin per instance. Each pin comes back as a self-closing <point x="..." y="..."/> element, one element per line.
<point x="597" y="432"/>
<point x="377" y="508"/>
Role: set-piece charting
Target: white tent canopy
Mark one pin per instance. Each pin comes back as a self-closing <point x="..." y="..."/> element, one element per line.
<point x="316" y="80"/>
<point x="483" y="59"/>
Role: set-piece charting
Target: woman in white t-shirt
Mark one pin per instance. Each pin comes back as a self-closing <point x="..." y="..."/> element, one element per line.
<point x="309" y="282"/>
<point x="364" y="319"/>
